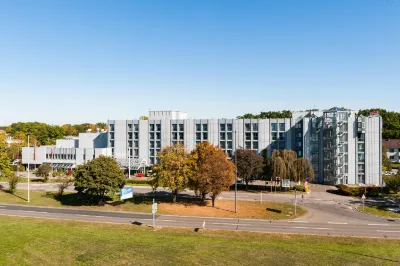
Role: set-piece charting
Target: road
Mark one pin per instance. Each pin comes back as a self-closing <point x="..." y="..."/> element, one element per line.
<point x="335" y="213"/>
<point x="380" y="230"/>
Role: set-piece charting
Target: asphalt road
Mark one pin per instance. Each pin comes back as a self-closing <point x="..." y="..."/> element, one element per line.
<point x="380" y="230"/>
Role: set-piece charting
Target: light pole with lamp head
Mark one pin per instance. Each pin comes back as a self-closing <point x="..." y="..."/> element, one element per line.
<point x="29" y="151"/>
<point x="235" y="175"/>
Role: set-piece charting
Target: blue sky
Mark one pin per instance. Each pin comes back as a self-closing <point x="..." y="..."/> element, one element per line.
<point x="76" y="61"/>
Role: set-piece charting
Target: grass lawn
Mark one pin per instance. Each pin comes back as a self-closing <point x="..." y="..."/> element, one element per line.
<point x="395" y="165"/>
<point x="381" y="211"/>
<point x="30" y="241"/>
<point x="223" y="208"/>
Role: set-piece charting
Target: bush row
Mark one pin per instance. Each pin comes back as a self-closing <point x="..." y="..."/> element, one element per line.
<point x="357" y="191"/>
<point x="21" y="168"/>
<point x="137" y="182"/>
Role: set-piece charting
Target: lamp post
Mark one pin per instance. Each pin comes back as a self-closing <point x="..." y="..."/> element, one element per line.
<point x="129" y="163"/>
<point x="29" y="151"/>
<point x="235" y="175"/>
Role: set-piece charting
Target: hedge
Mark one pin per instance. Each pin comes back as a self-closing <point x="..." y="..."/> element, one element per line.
<point x="21" y="168"/>
<point x="357" y="191"/>
<point x="137" y="182"/>
<point x="299" y="188"/>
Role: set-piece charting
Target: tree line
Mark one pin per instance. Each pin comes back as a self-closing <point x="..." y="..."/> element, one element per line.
<point x="390" y="127"/>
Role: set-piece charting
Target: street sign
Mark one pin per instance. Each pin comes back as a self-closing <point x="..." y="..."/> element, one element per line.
<point x="126" y="193"/>
<point x="363" y="197"/>
<point x="154" y="208"/>
<point x="285" y="182"/>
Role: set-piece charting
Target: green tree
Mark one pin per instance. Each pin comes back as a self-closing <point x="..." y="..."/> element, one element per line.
<point x="392" y="182"/>
<point x="173" y="170"/>
<point x="249" y="164"/>
<point x="386" y="164"/>
<point x="4" y="164"/>
<point x="143" y="117"/>
<point x="290" y="158"/>
<point x="12" y="182"/>
<point x="99" y="177"/>
<point x="391" y="122"/>
<point x="304" y="169"/>
<point x="44" y="170"/>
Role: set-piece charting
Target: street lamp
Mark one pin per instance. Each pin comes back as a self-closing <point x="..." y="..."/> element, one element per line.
<point x="235" y="175"/>
<point x="29" y="151"/>
<point x="129" y="162"/>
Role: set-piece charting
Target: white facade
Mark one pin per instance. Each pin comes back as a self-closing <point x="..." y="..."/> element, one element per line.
<point x="68" y="153"/>
<point x="359" y="151"/>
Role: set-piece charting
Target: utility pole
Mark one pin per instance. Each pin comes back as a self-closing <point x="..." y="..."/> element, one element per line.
<point x="29" y="151"/>
<point x="235" y="175"/>
<point x="129" y="162"/>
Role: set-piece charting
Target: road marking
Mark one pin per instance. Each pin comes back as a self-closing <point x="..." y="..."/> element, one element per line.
<point x="379" y="224"/>
<point x="322" y="228"/>
<point x="316" y="228"/>
<point x="298" y="221"/>
<point x="83" y="215"/>
<point x="232" y="224"/>
<point x="388" y="231"/>
<point x="335" y="223"/>
<point x="299" y="227"/>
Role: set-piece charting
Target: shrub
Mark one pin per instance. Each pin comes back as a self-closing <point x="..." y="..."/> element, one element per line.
<point x="299" y="188"/>
<point x="12" y="182"/>
<point x="138" y="182"/>
<point x="63" y="183"/>
<point x="357" y="191"/>
<point x="21" y="168"/>
<point x="44" y="171"/>
<point x="392" y="183"/>
<point x="59" y="172"/>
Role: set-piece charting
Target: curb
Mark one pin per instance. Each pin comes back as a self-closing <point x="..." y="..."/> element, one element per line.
<point x="374" y="215"/>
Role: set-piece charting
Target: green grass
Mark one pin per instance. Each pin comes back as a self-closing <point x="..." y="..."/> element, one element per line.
<point x="395" y="165"/>
<point x="31" y="241"/>
<point x="224" y="208"/>
<point x="380" y="211"/>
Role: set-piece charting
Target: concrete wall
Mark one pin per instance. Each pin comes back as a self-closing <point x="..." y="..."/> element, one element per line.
<point x="67" y="143"/>
<point x="373" y="150"/>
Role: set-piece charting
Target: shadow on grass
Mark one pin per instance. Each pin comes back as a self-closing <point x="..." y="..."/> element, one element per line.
<point x="274" y="210"/>
<point x="9" y="192"/>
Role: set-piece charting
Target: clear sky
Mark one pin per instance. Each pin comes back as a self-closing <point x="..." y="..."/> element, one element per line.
<point x="76" y="61"/>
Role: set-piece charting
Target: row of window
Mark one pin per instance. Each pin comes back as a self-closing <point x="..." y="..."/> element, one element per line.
<point x="392" y="150"/>
<point x="63" y="156"/>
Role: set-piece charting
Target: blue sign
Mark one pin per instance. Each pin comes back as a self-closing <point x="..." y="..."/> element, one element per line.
<point x="126" y="193"/>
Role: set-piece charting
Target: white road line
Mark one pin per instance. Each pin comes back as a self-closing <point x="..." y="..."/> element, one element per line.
<point x="298" y="221"/>
<point x="299" y="227"/>
<point x="384" y="231"/>
<point x="316" y="228"/>
<point x="322" y="228"/>
<point x="379" y="224"/>
<point x="335" y="223"/>
<point x="83" y="215"/>
<point x="232" y="224"/>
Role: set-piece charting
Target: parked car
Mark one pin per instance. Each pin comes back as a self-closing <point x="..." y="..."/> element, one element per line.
<point x="139" y="175"/>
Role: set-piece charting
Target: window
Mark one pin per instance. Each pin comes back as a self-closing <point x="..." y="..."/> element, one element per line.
<point x="248" y="135"/>
<point x="391" y="157"/>
<point x="181" y="135"/>
<point x="298" y="125"/>
<point x="198" y="127"/>
<point x="152" y="135"/>
<point x="158" y="144"/>
<point x="136" y="127"/>
<point x="255" y="136"/>
<point x="299" y="135"/>
<point x="181" y="128"/>
<point x="361" y="168"/>
<point x="255" y="145"/>
<point x="130" y="152"/>
<point x="222" y="136"/>
<point x="174" y="135"/>
<point x="152" y="152"/>
<point x="174" y="143"/>
<point x="361" y="147"/>
<point x="229" y="126"/>
<point x="229" y="152"/>
<point x="282" y="135"/>
<point x="205" y="127"/>
<point x="111" y="127"/>
<point x="158" y="150"/>
<point x="136" y="144"/>
<point x="391" y="150"/>
<point x="229" y="143"/>
<point x="158" y="127"/>
<point x="129" y="127"/>
<point x="174" y="127"/>
<point x="198" y="142"/>
<point x="136" y="152"/>
<point x="205" y="136"/>
<point x="361" y="157"/>
<point x="281" y="126"/>
<point x="136" y="135"/>
<point x="248" y="144"/>
<point x="247" y="127"/>
<point x="151" y="144"/>
<point x="112" y="135"/>
<point x="151" y="127"/>
<point x="255" y="127"/>
<point x="299" y="144"/>
<point x="274" y="136"/>
<point x="130" y="135"/>
<point x="273" y="126"/>
<point x="198" y="136"/>
<point x="299" y="153"/>
<point x="151" y="160"/>
<point x="158" y="135"/>
<point x="361" y="179"/>
<point x="222" y="144"/>
<point x="130" y="144"/>
<point x="229" y="135"/>
<point x="222" y="127"/>
<point x="112" y="143"/>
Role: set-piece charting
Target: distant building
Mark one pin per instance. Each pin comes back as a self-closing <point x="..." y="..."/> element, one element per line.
<point x="69" y="152"/>
<point x="393" y="149"/>
<point x="343" y="148"/>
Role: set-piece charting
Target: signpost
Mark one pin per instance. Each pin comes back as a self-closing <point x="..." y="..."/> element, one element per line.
<point x="154" y="210"/>
<point x="126" y="193"/>
<point x="363" y="200"/>
<point x="295" y="202"/>
<point x="285" y="182"/>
